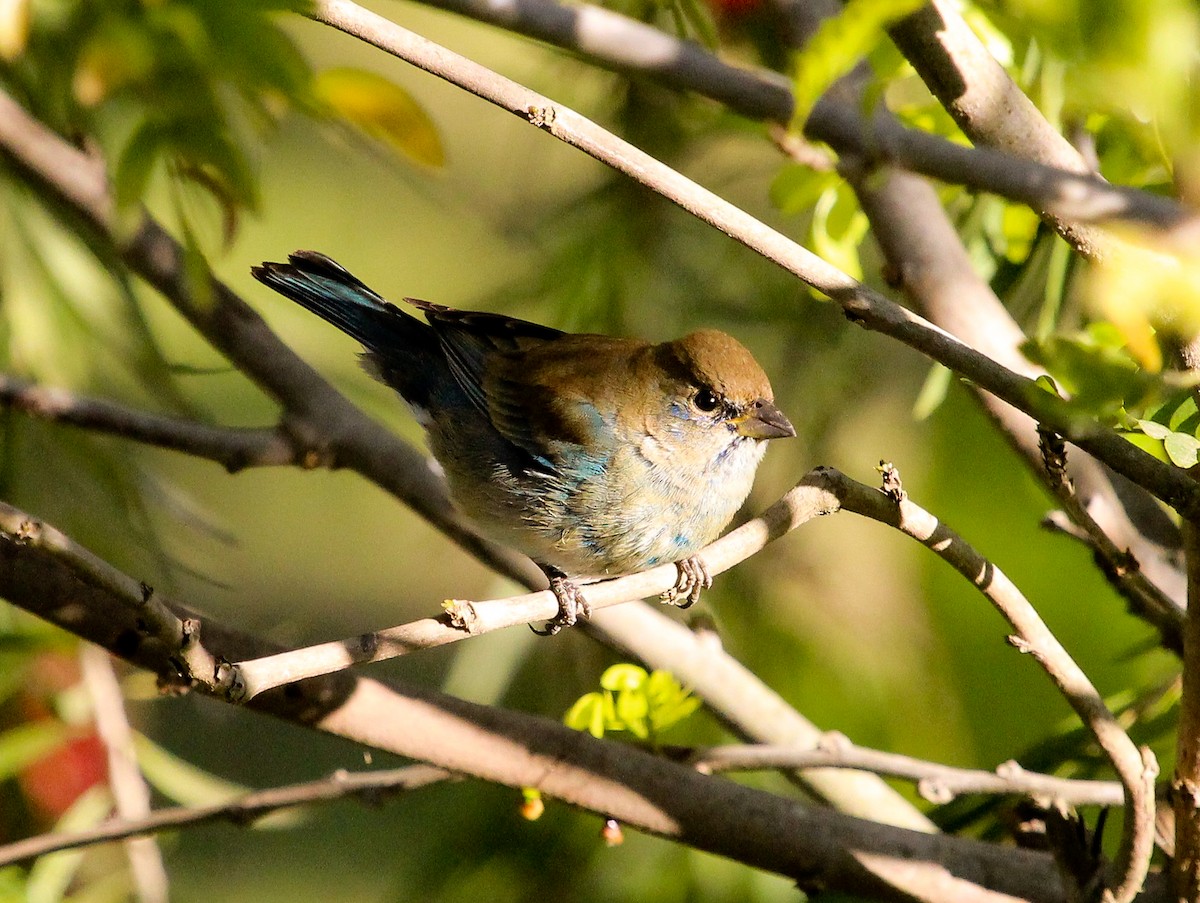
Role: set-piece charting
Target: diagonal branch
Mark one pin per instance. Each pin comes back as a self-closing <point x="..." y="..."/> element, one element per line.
<point x="247" y="679"/>
<point x="369" y="787"/>
<point x="624" y="44"/>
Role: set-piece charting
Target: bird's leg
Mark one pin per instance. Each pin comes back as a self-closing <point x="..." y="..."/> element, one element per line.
<point x="693" y="579"/>
<point x="571" y="604"/>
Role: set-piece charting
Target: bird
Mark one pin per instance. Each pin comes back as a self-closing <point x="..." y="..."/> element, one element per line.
<point x="594" y="455"/>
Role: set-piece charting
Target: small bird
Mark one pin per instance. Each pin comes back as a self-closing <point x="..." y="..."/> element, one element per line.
<point x="594" y="455"/>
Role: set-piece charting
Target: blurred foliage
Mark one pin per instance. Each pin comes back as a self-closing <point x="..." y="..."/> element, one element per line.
<point x="209" y="112"/>
<point x="634" y="701"/>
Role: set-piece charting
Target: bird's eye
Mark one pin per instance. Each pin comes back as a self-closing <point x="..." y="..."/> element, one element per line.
<point x="706" y="400"/>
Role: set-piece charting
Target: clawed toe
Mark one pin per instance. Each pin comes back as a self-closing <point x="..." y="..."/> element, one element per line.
<point x="693" y="579"/>
<point x="571" y="605"/>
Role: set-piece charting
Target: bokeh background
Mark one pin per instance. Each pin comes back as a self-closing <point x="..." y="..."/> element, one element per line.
<point x="862" y="630"/>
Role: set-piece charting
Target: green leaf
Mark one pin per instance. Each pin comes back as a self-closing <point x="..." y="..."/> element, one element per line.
<point x="838" y="226"/>
<point x="1182" y="449"/>
<point x="632" y="711"/>
<point x="1096" y="371"/>
<point x="1154" y="430"/>
<point x="838" y="45"/>
<point x="670" y="701"/>
<point x="383" y="110"/>
<point x="933" y="392"/>
<point x="587" y="714"/>
<point x="623" y="677"/>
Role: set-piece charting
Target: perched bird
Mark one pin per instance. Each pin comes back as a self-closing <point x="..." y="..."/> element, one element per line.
<point x="595" y="456"/>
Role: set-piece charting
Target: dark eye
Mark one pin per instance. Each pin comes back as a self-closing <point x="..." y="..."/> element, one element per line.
<point x="706" y="400"/>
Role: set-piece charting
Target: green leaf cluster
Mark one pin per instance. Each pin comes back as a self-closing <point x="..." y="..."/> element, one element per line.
<point x="170" y="82"/>
<point x="633" y="701"/>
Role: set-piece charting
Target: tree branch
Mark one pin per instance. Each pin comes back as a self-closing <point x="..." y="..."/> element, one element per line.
<point x="1185" y="785"/>
<point x="1137" y="768"/>
<point x="58" y="581"/>
<point x="232" y="447"/>
<point x="129" y="790"/>
<point x="935" y="782"/>
<point x="623" y="44"/>
<point x="369" y="787"/>
<point x="463" y="619"/>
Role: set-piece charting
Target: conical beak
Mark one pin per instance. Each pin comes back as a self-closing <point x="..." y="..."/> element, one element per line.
<point x="762" y="420"/>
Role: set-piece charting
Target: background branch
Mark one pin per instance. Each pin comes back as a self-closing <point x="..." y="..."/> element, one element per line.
<point x="370" y="787"/>
<point x="234" y="448"/>
<point x="935" y="782"/>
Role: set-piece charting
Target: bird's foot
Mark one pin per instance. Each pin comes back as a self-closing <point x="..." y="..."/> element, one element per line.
<point x="693" y="579"/>
<point x="571" y="604"/>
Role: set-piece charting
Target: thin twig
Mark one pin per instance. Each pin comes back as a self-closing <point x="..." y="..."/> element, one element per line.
<point x="232" y="447"/>
<point x="937" y="783"/>
<point x="1185" y="785"/>
<point x="370" y="787"/>
<point x="129" y="789"/>
<point x="862" y="305"/>
<point x="465" y="619"/>
<point x="1136" y="768"/>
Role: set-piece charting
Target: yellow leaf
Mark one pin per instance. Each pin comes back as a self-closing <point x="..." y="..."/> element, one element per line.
<point x="382" y="110"/>
<point x="14" y="28"/>
<point x="1146" y="291"/>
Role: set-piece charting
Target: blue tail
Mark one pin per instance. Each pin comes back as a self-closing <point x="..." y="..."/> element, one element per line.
<point x="330" y="291"/>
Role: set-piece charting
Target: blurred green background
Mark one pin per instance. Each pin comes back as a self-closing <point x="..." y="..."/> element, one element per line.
<point x="860" y="629"/>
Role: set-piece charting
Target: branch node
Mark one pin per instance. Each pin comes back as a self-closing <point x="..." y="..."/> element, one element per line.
<point x="892" y="486"/>
<point x="934" y="791"/>
<point x="541" y="117"/>
<point x="28" y="531"/>
<point x="461" y="614"/>
<point x="1022" y="645"/>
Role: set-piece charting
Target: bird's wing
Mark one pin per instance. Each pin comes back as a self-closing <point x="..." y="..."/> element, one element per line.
<point x="469" y="339"/>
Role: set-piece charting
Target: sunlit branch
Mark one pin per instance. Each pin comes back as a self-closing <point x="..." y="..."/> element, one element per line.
<point x="935" y="782"/>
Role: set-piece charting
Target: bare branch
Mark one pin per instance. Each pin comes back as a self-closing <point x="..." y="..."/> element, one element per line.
<point x="467" y="619"/>
<point x="1137" y="768"/>
<point x="935" y="782"/>
<point x="371" y="787"/>
<point x="986" y="103"/>
<point x="1185" y="785"/>
<point x="129" y="789"/>
<point x="232" y="447"/>
<point x="817" y="847"/>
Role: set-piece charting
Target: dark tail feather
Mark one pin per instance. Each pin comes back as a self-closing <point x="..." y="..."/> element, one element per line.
<point x="330" y="291"/>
